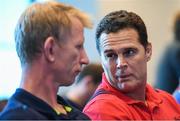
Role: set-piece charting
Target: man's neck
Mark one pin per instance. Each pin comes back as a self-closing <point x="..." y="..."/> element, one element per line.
<point x="42" y="90"/>
<point x="138" y="96"/>
<point x="39" y="83"/>
<point x="139" y="93"/>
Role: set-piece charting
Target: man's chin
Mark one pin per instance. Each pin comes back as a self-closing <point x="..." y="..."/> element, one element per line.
<point x="123" y="87"/>
<point x="68" y="82"/>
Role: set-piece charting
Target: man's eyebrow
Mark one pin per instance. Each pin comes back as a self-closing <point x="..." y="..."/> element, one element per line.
<point x="127" y="48"/>
<point x="108" y="50"/>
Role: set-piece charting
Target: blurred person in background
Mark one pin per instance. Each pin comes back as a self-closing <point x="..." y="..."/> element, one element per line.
<point x="3" y="102"/>
<point x="85" y="85"/>
<point x="168" y="75"/>
<point x="49" y="38"/>
<point x="124" y="94"/>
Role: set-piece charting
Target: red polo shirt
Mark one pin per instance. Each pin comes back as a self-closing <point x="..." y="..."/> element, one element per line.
<point x="116" y="106"/>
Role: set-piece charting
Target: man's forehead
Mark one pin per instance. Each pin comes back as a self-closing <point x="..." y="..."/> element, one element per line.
<point x="119" y="47"/>
<point x="116" y="41"/>
<point x="128" y="32"/>
<point x="106" y="39"/>
<point x="103" y="36"/>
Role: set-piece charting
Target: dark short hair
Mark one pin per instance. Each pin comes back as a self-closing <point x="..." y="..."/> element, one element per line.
<point x="93" y="70"/>
<point x="119" y="20"/>
<point x="3" y="103"/>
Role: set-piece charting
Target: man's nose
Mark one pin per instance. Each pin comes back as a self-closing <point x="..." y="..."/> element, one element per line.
<point x="84" y="58"/>
<point x="121" y="62"/>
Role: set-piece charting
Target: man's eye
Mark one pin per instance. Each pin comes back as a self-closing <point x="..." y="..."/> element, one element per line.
<point x="130" y="52"/>
<point x="111" y="55"/>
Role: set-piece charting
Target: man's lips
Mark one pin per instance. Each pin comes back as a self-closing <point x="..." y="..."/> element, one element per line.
<point x="78" y="71"/>
<point x="123" y="77"/>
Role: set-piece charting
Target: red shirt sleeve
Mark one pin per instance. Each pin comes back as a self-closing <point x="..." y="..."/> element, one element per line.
<point x="105" y="110"/>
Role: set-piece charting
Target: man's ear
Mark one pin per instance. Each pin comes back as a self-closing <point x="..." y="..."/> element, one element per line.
<point x="49" y="47"/>
<point x="148" y="51"/>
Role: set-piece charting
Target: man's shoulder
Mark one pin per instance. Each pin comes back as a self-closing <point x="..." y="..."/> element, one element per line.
<point x="104" y="101"/>
<point x="166" y="97"/>
<point x="103" y="95"/>
<point x="162" y="93"/>
<point x="105" y="106"/>
<point x="16" y="109"/>
<point x="18" y="112"/>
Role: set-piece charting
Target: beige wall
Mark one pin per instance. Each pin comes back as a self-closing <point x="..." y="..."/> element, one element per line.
<point x="157" y="15"/>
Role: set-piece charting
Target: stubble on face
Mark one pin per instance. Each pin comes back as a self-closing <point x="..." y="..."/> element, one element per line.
<point x="135" y="74"/>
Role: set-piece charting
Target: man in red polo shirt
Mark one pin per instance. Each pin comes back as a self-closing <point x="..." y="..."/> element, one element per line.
<point x="124" y="94"/>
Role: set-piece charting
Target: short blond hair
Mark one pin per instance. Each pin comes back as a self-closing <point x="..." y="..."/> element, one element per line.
<point x="83" y="17"/>
<point x="41" y="20"/>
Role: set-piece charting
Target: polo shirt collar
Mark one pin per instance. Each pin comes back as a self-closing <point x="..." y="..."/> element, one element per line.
<point x="151" y="94"/>
<point x="32" y="101"/>
<point x="38" y="104"/>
